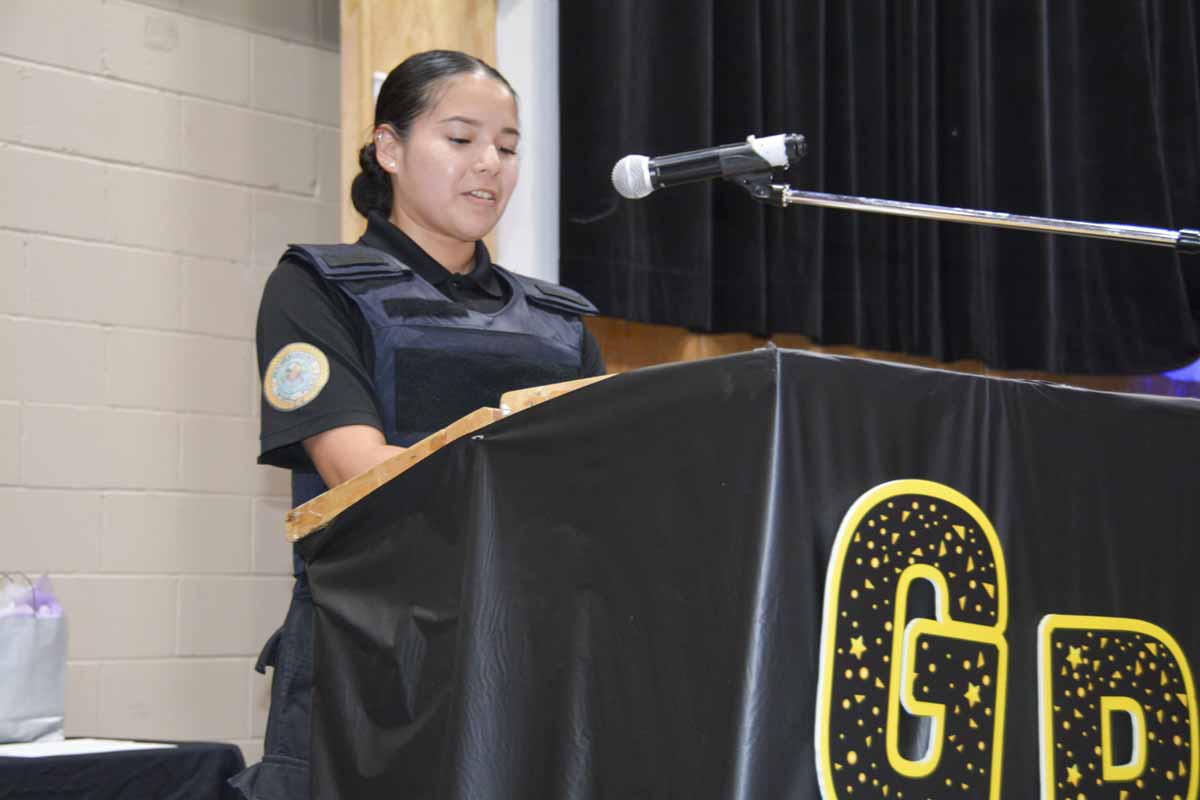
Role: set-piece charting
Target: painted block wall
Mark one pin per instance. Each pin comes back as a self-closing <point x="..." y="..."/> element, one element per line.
<point x="155" y="158"/>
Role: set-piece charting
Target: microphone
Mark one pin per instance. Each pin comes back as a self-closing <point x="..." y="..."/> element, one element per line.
<point x="636" y="176"/>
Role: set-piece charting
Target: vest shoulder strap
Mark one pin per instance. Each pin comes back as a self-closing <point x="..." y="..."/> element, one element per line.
<point x="552" y="296"/>
<point x="348" y="261"/>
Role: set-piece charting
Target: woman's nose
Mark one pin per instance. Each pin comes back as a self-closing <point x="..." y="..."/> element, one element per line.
<point x="489" y="159"/>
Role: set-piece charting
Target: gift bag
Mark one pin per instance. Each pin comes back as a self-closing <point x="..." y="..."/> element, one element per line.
<point x="33" y="660"/>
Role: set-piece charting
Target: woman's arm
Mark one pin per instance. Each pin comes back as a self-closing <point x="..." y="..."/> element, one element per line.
<point x="299" y="310"/>
<point x="341" y="453"/>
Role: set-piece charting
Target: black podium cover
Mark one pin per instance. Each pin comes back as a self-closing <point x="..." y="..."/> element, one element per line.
<point x="621" y="594"/>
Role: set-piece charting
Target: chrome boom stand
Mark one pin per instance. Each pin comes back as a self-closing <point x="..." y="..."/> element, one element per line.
<point x="1185" y="240"/>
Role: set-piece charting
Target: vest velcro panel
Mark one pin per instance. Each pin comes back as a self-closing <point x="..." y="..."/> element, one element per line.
<point x="553" y="296"/>
<point x="345" y="262"/>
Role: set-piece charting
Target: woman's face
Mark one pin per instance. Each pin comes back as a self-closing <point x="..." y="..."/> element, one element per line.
<point x="454" y="174"/>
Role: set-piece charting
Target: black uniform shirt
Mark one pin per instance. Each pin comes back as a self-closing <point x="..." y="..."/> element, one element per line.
<point x="298" y="306"/>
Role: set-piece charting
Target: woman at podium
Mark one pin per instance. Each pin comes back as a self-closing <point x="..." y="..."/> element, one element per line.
<point x="366" y="348"/>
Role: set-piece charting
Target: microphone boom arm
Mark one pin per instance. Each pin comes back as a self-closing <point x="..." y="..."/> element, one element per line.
<point x="1185" y="241"/>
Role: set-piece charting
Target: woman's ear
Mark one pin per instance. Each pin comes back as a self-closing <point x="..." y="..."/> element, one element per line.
<point x="388" y="148"/>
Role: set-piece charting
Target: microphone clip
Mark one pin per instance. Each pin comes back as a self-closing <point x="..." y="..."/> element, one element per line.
<point x="762" y="187"/>
<point x="748" y="172"/>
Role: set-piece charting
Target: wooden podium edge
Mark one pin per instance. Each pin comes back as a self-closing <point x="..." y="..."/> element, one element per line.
<point x="521" y="399"/>
<point x="314" y="515"/>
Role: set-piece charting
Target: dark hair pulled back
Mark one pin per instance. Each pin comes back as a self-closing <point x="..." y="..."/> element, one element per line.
<point x="408" y="92"/>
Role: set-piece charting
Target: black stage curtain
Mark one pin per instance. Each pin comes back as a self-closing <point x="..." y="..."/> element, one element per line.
<point x="1068" y="109"/>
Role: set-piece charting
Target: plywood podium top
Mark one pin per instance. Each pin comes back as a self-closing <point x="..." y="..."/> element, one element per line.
<point x="323" y="509"/>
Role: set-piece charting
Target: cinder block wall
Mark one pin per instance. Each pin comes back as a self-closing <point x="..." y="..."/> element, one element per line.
<point x="155" y="157"/>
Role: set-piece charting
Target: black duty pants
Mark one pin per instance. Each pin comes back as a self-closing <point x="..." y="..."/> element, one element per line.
<point x="283" y="772"/>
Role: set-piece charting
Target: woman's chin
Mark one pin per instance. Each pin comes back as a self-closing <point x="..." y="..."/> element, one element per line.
<point x="476" y="231"/>
<point x="479" y="219"/>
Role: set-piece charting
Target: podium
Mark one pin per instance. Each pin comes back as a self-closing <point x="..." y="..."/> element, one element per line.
<point x="770" y="575"/>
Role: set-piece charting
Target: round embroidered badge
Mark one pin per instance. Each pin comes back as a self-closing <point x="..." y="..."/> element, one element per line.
<point x="296" y="375"/>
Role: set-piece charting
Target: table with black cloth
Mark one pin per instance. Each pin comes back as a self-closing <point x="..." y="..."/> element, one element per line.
<point x="191" y="770"/>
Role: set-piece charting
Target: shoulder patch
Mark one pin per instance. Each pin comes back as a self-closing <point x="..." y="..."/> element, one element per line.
<point x="296" y="375"/>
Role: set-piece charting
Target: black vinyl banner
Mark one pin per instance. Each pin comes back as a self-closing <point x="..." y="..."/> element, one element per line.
<point x="773" y="575"/>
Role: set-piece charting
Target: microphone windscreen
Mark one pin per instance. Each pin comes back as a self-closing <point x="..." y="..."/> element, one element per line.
<point x="631" y="177"/>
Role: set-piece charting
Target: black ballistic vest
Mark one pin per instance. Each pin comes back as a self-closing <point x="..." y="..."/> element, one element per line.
<point x="435" y="360"/>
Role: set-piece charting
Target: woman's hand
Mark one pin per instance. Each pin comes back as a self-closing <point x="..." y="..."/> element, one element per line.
<point x="341" y="453"/>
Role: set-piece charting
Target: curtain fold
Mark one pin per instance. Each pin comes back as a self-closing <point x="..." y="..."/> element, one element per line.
<point x="1066" y="108"/>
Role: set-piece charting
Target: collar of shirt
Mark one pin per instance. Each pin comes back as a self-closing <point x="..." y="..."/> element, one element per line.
<point x="383" y="235"/>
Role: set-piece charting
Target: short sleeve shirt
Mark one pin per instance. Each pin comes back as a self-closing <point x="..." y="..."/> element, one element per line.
<point x="308" y="327"/>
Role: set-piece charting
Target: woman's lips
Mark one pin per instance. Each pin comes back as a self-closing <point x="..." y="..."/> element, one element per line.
<point x="481" y="196"/>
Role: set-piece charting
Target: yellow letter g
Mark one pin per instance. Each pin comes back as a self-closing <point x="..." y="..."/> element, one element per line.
<point x="913" y="707"/>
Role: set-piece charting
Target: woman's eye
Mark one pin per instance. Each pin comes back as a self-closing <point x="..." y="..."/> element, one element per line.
<point x="508" y="151"/>
<point x="459" y="141"/>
